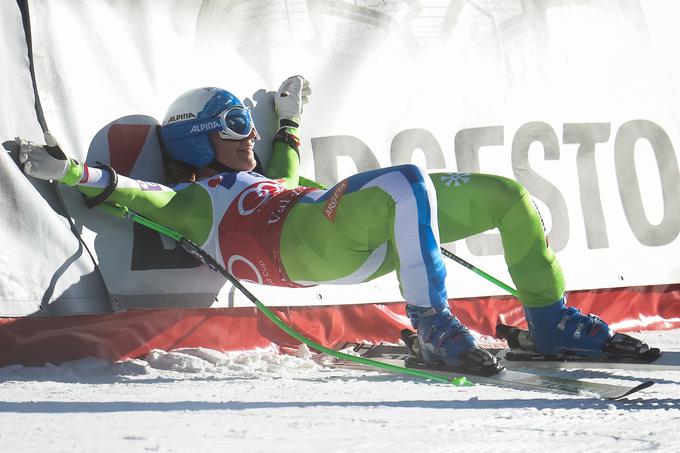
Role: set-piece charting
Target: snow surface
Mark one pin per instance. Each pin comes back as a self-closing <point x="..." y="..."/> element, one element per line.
<point x="260" y="401"/>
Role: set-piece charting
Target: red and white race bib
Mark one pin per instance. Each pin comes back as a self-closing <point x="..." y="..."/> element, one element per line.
<point x="250" y="232"/>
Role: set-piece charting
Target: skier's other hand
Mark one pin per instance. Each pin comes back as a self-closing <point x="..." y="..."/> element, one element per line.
<point x="293" y="93"/>
<point x="48" y="161"/>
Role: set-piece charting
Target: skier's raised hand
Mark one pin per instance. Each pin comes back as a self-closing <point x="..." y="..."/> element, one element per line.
<point x="290" y="97"/>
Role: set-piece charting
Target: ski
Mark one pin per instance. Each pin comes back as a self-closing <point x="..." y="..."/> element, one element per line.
<point x="517" y="359"/>
<point x="524" y="380"/>
<point x="519" y="355"/>
<point x="668" y="361"/>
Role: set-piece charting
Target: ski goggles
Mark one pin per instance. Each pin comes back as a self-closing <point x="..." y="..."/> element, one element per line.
<point x="237" y="123"/>
<point x="234" y="123"/>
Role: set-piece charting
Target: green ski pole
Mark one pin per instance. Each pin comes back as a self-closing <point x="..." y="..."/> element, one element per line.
<point x="213" y="264"/>
<point x="478" y="271"/>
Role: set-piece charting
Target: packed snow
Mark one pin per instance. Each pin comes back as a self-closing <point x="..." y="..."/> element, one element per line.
<point x="261" y="401"/>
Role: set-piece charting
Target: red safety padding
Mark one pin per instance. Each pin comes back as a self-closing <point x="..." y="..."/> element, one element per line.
<point x="133" y="333"/>
<point x="125" y="144"/>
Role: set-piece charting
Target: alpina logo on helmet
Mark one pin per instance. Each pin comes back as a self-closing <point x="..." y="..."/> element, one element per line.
<point x="181" y="116"/>
<point x="193" y="116"/>
<point x="203" y="127"/>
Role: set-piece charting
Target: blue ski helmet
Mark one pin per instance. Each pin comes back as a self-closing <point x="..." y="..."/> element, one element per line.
<point x="194" y="115"/>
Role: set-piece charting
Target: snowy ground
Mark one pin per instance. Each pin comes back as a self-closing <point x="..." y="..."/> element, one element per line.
<point x="202" y="400"/>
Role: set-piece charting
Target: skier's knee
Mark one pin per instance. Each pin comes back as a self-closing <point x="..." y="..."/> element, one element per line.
<point x="507" y="189"/>
<point x="501" y="194"/>
<point x="413" y="173"/>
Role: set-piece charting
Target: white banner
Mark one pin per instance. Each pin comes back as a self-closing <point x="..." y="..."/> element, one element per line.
<point x="44" y="269"/>
<point x="576" y="100"/>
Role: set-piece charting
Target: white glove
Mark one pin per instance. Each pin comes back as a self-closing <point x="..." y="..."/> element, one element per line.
<point x="292" y="94"/>
<point x="48" y="161"/>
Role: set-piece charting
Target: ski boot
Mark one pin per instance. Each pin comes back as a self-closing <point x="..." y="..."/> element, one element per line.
<point x="443" y="342"/>
<point x="564" y="332"/>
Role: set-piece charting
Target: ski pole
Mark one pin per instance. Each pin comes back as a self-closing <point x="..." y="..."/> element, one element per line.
<point x="478" y="271"/>
<point x="213" y="264"/>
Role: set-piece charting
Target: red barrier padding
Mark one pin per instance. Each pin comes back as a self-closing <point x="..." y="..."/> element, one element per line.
<point x="125" y="144"/>
<point x="133" y="333"/>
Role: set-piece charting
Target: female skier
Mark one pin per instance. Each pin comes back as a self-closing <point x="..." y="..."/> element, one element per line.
<point x="274" y="231"/>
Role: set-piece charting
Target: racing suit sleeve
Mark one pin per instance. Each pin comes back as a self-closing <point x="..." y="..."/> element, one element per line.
<point x="284" y="163"/>
<point x="185" y="208"/>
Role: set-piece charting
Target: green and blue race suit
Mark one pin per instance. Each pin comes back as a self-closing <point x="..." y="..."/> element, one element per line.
<point x="273" y="230"/>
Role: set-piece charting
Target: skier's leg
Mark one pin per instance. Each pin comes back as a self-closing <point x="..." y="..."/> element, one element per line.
<point x="368" y="225"/>
<point x="469" y="204"/>
<point x="472" y="203"/>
